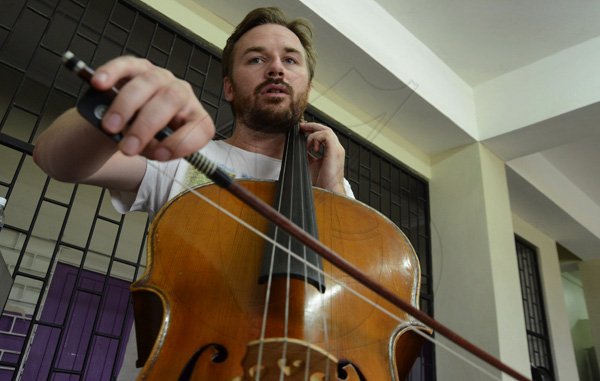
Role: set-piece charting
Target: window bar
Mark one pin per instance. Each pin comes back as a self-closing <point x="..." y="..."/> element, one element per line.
<point x="36" y="311"/>
<point x="103" y="293"/>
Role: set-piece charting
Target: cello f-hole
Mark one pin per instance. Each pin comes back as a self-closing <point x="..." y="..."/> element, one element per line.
<point x="219" y="355"/>
<point x="344" y="366"/>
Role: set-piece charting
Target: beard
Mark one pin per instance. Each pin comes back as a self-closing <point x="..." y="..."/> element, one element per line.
<point x="268" y="115"/>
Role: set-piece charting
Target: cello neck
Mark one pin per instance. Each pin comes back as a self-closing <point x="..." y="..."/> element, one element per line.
<point x="294" y="200"/>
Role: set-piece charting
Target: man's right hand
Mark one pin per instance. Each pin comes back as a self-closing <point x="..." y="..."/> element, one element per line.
<point x="159" y="99"/>
<point x="72" y="150"/>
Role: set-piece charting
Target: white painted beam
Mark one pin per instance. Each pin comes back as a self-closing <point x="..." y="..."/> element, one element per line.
<point x="379" y="35"/>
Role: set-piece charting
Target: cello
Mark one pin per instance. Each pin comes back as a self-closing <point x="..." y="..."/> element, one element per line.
<point x="158" y="313"/>
<point x="237" y="308"/>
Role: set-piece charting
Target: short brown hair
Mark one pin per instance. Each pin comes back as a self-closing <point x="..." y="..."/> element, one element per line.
<point x="271" y="15"/>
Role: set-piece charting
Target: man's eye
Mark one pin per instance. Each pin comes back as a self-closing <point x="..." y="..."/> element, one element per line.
<point x="290" y="60"/>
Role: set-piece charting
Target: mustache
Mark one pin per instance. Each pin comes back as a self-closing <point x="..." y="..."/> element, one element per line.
<point x="271" y="81"/>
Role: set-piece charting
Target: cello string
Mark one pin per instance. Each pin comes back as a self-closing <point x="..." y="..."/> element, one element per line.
<point x="263" y="328"/>
<point x="300" y="159"/>
<point x="299" y="151"/>
<point x="326" y="275"/>
<point x="322" y="300"/>
<point x="277" y="231"/>
<point x="304" y="182"/>
<point x="286" y="316"/>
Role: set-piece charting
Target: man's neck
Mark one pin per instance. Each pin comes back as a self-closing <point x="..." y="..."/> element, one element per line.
<point x="259" y="142"/>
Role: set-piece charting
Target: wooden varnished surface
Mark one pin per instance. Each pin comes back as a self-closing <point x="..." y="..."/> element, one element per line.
<point x="204" y="268"/>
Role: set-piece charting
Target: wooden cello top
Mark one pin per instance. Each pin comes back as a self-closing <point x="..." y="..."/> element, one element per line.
<point x="204" y="269"/>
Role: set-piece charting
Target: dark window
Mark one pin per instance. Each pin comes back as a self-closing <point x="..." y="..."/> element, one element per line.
<point x="538" y="339"/>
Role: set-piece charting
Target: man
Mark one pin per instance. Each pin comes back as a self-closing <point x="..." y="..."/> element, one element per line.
<point x="268" y="65"/>
<point x="268" y="68"/>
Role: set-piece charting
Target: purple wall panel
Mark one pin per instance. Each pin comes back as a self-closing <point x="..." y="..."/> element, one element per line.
<point x="6" y="322"/>
<point x="114" y="312"/>
<point x="41" y="353"/>
<point x="13" y="326"/>
<point x="11" y="342"/>
<point x="21" y="325"/>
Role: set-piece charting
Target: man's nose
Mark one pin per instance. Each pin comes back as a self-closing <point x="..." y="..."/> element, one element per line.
<point x="275" y="69"/>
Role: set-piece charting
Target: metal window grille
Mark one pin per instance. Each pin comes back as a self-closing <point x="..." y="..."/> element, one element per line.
<point x="538" y="338"/>
<point x="50" y="222"/>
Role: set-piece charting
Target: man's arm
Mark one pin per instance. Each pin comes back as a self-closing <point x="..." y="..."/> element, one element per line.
<point x="73" y="150"/>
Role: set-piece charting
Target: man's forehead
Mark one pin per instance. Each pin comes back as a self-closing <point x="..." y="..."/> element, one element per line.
<point x="269" y="36"/>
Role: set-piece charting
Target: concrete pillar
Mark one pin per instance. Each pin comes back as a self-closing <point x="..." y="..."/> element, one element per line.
<point x="476" y="280"/>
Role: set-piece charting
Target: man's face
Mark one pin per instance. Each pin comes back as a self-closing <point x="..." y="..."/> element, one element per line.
<point x="269" y="85"/>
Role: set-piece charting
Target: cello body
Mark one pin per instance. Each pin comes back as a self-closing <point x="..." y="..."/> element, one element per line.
<point x="201" y="313"/>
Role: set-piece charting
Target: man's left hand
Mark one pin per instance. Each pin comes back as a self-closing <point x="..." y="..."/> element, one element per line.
<point x="327" y="170"/>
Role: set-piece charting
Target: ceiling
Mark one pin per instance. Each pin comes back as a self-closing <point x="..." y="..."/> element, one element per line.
<point x="483" y="39"/>
<point x="517" y="76"/>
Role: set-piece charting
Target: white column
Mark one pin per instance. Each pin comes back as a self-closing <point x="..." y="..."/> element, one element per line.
<point x="476" y="280"/>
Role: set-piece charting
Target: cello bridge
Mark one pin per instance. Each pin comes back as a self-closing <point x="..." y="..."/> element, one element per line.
<point x="289" y="359"/>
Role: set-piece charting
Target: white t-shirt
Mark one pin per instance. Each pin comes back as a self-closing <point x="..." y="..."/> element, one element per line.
<point x="165" y="180"/>
<point x="158" y="186"/>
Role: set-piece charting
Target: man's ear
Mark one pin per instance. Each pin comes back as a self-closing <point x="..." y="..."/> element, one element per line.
<point x="227" y="89"/>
